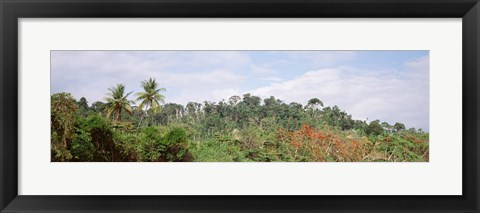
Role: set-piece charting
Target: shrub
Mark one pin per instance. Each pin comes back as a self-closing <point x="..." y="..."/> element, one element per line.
<point x="101" y="134"/>
<point x="172" y="146"/>
<point x="401" y="147"/>
<point x="63" y="108"/>
<point x="150" y="144"/>
<point x="309" y="144"/>
<point x="375" y="128"/>
<point x="127" y="144"/>
<point x="215" y="151"/>
<point x="176" y="145"/>
<point x="82" y="147"/>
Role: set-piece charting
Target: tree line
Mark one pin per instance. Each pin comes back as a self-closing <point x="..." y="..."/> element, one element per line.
<point x="243" y="128"/>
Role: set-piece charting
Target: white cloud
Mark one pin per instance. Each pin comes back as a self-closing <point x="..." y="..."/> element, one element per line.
<point x="323" y="58"/>
<point x="374" y="94"/>
<point x="209" y="79"/>
<point x="271" y="78"/>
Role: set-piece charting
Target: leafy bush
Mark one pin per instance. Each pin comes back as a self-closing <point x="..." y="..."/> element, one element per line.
<point x="175" y="144"/>
<point x="169" y="146"/>
<point x="101" y="134"/>
<point x="82" y="147"/>
<point x="63" y="108"/>
<point x="127" y="144"/>
<point x="150" y="147"/>
<point x="216" y="151"/>
<point x="403" y="147"/>
<point x="375" y="128"/>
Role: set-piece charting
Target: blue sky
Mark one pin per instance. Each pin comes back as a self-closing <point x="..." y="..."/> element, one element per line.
<point x="387" y="85"/>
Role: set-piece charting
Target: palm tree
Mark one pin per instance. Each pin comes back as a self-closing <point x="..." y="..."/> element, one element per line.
<point x="117" y="101"/>
<point x="150" y="98"/>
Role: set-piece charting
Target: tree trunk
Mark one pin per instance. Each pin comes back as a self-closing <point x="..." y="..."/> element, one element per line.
<point x="119" y="111"/>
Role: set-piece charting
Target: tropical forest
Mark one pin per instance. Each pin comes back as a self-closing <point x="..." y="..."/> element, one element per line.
<point x="144" y="127"/>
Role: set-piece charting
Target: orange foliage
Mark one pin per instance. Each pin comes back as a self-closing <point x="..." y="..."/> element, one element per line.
<point x="325" y="145"/>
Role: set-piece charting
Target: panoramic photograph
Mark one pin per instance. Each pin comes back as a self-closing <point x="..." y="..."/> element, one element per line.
<point x="239" y="106"/>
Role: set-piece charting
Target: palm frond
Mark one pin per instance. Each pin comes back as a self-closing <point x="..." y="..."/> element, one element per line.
<point x="128" y="108"/>
<point x="160" y="90"/>
<point x="140" y="107"/>
<point x="151" y="96"/>
<point x="117" y="100"/>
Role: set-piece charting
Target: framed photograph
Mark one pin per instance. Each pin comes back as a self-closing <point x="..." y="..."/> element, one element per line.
<point x="252" y="106"/>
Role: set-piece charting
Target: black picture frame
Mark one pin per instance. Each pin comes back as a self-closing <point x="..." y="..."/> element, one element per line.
<point x="12" y="10"/>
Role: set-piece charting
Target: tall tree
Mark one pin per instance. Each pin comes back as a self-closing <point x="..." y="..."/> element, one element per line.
<point x="83" y="103"/>
<point x="398" y="127"/>
<point x="117" y="101"/>
<point x="83" y="108"/>
<point x="98" y="106"/>
<point x="375" y="128"/>
<point x="313" y="104"/>
<point x="234" y="100"/>
<point x="150" y="98"/>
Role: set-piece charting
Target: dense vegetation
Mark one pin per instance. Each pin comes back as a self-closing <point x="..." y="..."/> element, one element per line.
<point x="246" y="129"/>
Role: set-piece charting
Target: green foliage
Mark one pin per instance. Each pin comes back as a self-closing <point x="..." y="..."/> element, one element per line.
<point x="335" y="117"/>
<point x="63" y="108"/>
<point x="150" y="144"/>
<point x="101" y="134"/>
<point x="241" y="129"/>
<point x="375" y="128"/>
<point x="175" y="143"/>
<point x="117" y="102"/>
<point x="250" y="141"/>
<point x="98" y="107"/>
<point x="167" y="145"/>
<point x="216" y="151"/>
<point x="315" y="101"/>
<point x="398" y="127"/>
<point x="128" y="145"/>
<point x="403" y="147"/>
<point x="150" y="98"/>
<point x="82" y="147"/>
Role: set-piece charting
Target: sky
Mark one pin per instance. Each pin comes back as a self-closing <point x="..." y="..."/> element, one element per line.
<point x="391" y="86"/>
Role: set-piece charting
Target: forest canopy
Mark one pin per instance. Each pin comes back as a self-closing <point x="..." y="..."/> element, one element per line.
<point x="141" y="127"/>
